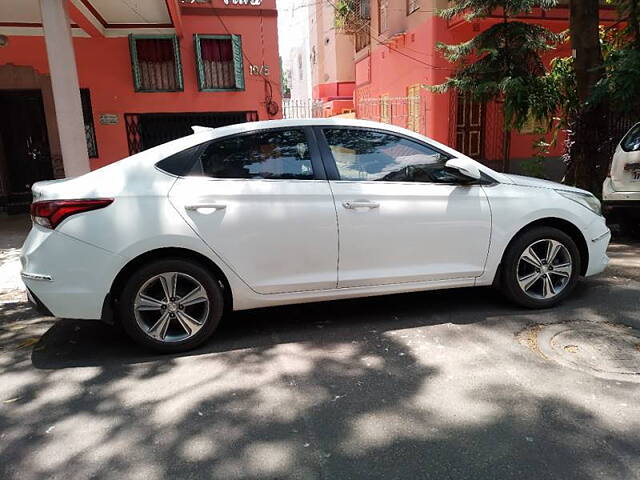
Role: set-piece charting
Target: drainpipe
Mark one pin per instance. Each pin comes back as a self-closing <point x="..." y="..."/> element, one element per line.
<point x="65" y="86"/>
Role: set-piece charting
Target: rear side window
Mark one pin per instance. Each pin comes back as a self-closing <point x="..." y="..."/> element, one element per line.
<point x="631" y="141"/>
<point x="279" y="154"/>
<point x="369" y="155"/>
<point x="180" y="163"/>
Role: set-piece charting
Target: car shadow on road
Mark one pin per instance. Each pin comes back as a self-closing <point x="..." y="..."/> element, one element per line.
<point x="78" y="343"/>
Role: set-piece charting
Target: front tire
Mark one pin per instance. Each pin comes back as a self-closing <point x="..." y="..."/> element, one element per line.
<point x="540" y="268"/>
<point x="171" y="305"/>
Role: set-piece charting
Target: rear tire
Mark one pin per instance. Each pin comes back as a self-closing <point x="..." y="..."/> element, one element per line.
<point x="171" y="305"/>
<point x="540" y="268"/>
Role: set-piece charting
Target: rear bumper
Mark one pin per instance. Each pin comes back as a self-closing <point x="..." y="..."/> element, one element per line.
<point x="37" y="304"/>
<point x="622" y="209"/>
<point x="65" y="277"/>
<point x="620" y="205"/>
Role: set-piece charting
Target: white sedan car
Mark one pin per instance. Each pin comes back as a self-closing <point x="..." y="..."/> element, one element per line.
<point x="290" y="211"/>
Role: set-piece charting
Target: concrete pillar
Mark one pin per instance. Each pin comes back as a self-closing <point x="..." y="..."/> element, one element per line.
<point x="66" y="89"/>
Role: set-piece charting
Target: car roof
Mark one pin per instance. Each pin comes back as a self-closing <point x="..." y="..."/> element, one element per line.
<point x="299" y="122"/>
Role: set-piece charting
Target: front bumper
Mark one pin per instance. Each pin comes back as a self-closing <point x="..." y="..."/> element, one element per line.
<point x="66" y="277"/>
<point x="597" y="236"/>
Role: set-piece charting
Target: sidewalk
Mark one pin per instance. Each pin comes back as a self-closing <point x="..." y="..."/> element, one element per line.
<point x="13" y="230"/>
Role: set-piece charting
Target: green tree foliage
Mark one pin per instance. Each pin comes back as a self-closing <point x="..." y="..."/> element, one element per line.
<point x="503" y="62"/>
<point x="595" y="124"/>
<point x="620" y="84"/>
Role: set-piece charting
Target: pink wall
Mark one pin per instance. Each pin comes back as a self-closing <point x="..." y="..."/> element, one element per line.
<point x="335" y="89"/>
<point x="104" y="66"/>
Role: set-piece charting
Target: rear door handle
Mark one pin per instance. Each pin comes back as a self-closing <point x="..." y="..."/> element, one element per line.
<point x="360" y="204"/>
<point x="198" y="206"/>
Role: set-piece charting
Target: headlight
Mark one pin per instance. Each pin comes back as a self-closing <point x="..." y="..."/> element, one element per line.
<point x="587" y="200"/>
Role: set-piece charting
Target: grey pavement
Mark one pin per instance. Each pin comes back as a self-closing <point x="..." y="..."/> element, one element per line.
<point x="437" y="385"/>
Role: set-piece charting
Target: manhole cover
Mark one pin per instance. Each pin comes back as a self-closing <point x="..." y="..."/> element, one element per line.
<point x="604" y="349"/>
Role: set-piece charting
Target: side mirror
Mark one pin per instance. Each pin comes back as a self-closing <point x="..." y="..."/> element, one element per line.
<point x="464" y="168"/>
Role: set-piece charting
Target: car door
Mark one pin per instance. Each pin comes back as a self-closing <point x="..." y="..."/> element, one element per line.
<point x="261" y="201"/>
<point x="401" y="216"/>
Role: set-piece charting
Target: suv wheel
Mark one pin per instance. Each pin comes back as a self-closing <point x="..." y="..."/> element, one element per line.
<point x="540" y="268"/>
<point x="171" y="305"/>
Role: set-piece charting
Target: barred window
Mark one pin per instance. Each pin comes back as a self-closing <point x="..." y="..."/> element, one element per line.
<point x="156" y="63"/>
<point x="412" y="6"/>
<point x="413" y="108"/>
<point x="89" y="128"/>
<point x="219" y="61"/>
<point x="383" y="15"/>
<point x="385" y="109"/>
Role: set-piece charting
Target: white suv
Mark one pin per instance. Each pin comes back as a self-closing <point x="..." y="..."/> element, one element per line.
<point x="621" y="189"/>
<point x="290" y="211"/>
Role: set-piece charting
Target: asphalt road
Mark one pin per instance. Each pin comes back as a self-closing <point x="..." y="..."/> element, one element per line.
<point x="431" y="385"/>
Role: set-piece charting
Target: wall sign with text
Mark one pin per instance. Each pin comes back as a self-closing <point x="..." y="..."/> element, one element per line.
<point x="108" y="119"/>
<point x="262" y="70"/>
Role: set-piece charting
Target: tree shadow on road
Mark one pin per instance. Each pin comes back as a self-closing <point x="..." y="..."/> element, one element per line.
<point x="408" y="386"/>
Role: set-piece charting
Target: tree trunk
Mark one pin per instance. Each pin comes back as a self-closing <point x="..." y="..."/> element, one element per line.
<point x="585" y="42"/>
<point x="585" y="164"/>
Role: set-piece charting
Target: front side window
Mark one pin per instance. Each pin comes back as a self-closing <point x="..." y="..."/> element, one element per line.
<point x="219" y="60"/>
<point x="280" y="154"/>
<point x="156" y="63"/>
<point x="368" y="155"/>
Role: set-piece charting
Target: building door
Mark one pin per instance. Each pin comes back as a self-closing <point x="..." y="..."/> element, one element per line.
<point x="24" y="141"/>
<point x="470" y="127"/>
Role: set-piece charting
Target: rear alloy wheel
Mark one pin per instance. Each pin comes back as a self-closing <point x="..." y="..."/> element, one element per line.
<point x="541" y="267"/>
<point x="171" y="305"/>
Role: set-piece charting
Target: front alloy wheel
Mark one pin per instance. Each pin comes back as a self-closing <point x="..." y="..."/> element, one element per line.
<point x="544" y="269"/>
<point x="540" y="267"/>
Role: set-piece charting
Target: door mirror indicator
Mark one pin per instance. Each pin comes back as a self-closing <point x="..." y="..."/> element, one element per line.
<point x="465" y="168"/>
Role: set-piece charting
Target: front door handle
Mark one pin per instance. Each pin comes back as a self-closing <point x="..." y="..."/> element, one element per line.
<point x="198" y="206"/>
<point x="360" y="204"/>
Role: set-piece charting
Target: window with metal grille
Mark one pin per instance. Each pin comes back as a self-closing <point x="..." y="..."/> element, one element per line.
<point x="413" y="108"/>
<point x="385" y="109"/>
<point x="89" y="128"/>
<point x="156" y="63"/>
<point x="383" y="15"/>
<point x="219" y="61"/>
<point x="412" y="6"/>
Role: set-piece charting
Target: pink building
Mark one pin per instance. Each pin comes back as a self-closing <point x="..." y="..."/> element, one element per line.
<point x="332" y="69"/>
<point x="395" y="58"/>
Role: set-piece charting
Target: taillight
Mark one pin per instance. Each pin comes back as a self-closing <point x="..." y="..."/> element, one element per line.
<point x="49" y="213"/>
